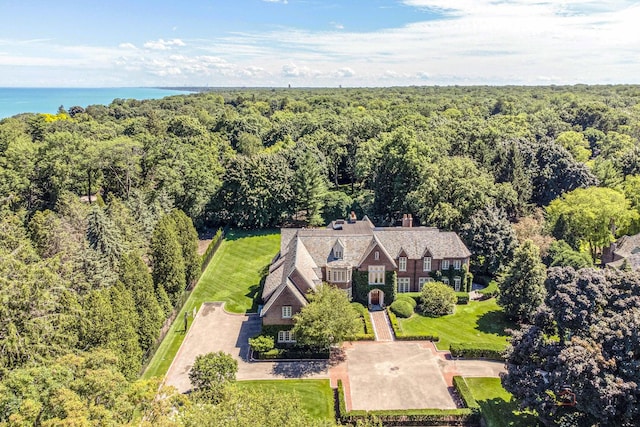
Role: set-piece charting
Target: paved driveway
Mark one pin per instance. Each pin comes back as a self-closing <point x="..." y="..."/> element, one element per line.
<point x="396" y="375"/>
<point x="214" y="329"/>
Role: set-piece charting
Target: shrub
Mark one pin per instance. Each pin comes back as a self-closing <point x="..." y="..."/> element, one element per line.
<point x="342" y="404"/>
<point x="465" y="392"/>
<point x="408" y="299"/>
<point x="366" y="322"/>
<point x="476" y="351"/>
<point x="437" y="299"/>
<point x="490" y="291"/>
<point x="462" y="298"/>
<point x="401" y="308"/>
<point x="262" y="343"/>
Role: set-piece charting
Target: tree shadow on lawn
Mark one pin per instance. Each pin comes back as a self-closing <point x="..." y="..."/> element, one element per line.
<point x="494" y="322"/>
<point x="499" y="412"/>
<point x="255" y="290"/>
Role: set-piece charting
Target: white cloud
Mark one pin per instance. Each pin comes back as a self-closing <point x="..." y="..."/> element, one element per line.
<point x="345" y="72"/>
<point x="336" y="25"/>
<point x="161" y="44"/>
<point x="276" y="1"/>
<point x="466" y="42"/>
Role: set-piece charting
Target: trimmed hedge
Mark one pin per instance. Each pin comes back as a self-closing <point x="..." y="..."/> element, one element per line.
<point x="409" y="299"/>
<point x="292" y="353"/>
<point x="401" y="308"/>
<point x="211" y="249"/>
<point x="342" y="403"/>
<point x="368" y="335"/>
<point x="463" y="298"/>
<point x="477" y="351"/>
<point x="465" y="392"/>
<point x="412" y="417"/>
<point x="490" y="291"/>
<point x="401" y="336"/>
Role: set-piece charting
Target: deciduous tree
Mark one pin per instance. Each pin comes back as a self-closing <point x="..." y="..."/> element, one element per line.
<point x="328" y="319"/>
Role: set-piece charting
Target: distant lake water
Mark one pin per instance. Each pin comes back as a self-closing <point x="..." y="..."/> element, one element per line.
<point x="47" y="100"/>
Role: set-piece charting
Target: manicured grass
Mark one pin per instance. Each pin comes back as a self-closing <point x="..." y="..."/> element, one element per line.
<point x="496" y="404"/>
<point x="234" y="275"/>
<point x="316" y="395"/>
<point x="476" y="322"/>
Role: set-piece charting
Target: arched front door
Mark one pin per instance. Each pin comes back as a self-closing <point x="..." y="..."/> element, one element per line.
<point x="376" y="297"/>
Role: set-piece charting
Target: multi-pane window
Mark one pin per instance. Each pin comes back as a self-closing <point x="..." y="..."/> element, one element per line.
<point x="423" y="280"/>
<point x="457" y="264"/>
<point x="402" y="263"/>
<point x="286" y="312"/>
<point x="426" y="264"/>
<point x="404" y="284"/>
<point x="445" y="264"/>
<point x="286" y="336"/>
<point x="376" y="256"/>
<point x="376" y="274"/>
<point x="340" y="275"/>
<point x="445" y="280"/>
<point x="456" y="283"/>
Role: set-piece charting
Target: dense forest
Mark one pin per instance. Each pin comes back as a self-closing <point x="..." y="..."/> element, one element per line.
<point x="99" y="206"/>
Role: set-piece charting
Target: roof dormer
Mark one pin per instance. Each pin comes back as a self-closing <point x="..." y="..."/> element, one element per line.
<point x="338" y="250"/>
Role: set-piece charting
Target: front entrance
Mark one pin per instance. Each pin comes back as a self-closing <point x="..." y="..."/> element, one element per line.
<point x="376" y="297"/>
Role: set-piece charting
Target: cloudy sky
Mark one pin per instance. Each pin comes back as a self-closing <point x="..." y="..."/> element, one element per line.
<point x="317" y="42"/>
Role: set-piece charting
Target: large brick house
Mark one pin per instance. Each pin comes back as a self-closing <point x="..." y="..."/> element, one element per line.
<point x="370" y="263"/>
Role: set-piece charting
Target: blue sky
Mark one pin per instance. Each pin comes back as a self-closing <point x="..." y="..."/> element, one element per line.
<point x="318" y="42"/>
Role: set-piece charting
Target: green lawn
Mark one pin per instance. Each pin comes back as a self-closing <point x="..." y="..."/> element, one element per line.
<point x="316" y="395"/>
<point x="233" y="275"/>
<point x="476" y="322"/>
<point x="496" y="404"/>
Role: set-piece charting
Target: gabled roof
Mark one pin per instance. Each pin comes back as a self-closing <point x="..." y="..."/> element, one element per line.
<point x="283" y="289"/>
<point x="375" y="243"/>
<point x="416" y="240"/>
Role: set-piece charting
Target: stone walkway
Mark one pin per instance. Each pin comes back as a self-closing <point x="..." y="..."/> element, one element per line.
<point x="381" y="326"/>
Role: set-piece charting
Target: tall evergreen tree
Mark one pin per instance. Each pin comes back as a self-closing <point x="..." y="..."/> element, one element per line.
<point x="168" y="263"/>
<point x="188" y="238"/>
<point x="522" y="288"/>
<point x="124" y="339"/>
<point x="135" y="276"/>
<point x="104" y="236"/>
<point x="309" y="185"/>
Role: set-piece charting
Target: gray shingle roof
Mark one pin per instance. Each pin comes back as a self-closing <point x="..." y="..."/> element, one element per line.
<point x="307" y="250"/>
<point x="416" y="241"/>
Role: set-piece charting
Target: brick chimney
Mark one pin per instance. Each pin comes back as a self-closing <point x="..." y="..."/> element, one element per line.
<point x="407" y="220"/>
<point x="352" y="217"/>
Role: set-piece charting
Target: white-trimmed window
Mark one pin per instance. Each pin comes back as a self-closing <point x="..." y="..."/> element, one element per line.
<point x="404" y="284"/>
<point x="286" y="312"/>
<point x="338" y="275"/>
<point x="445" y="264"/>
<point x="426" y="263"/>
<point x="376" y="274"/>
<point x="286" y="336"/>
<point x="456" y="283"/>
<point x="423" y="280"/>
<point x="445" y="280"/>
<point x="402" y="263"/>
<point x="376" y="255"/>
<point x="457" y="264"/>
